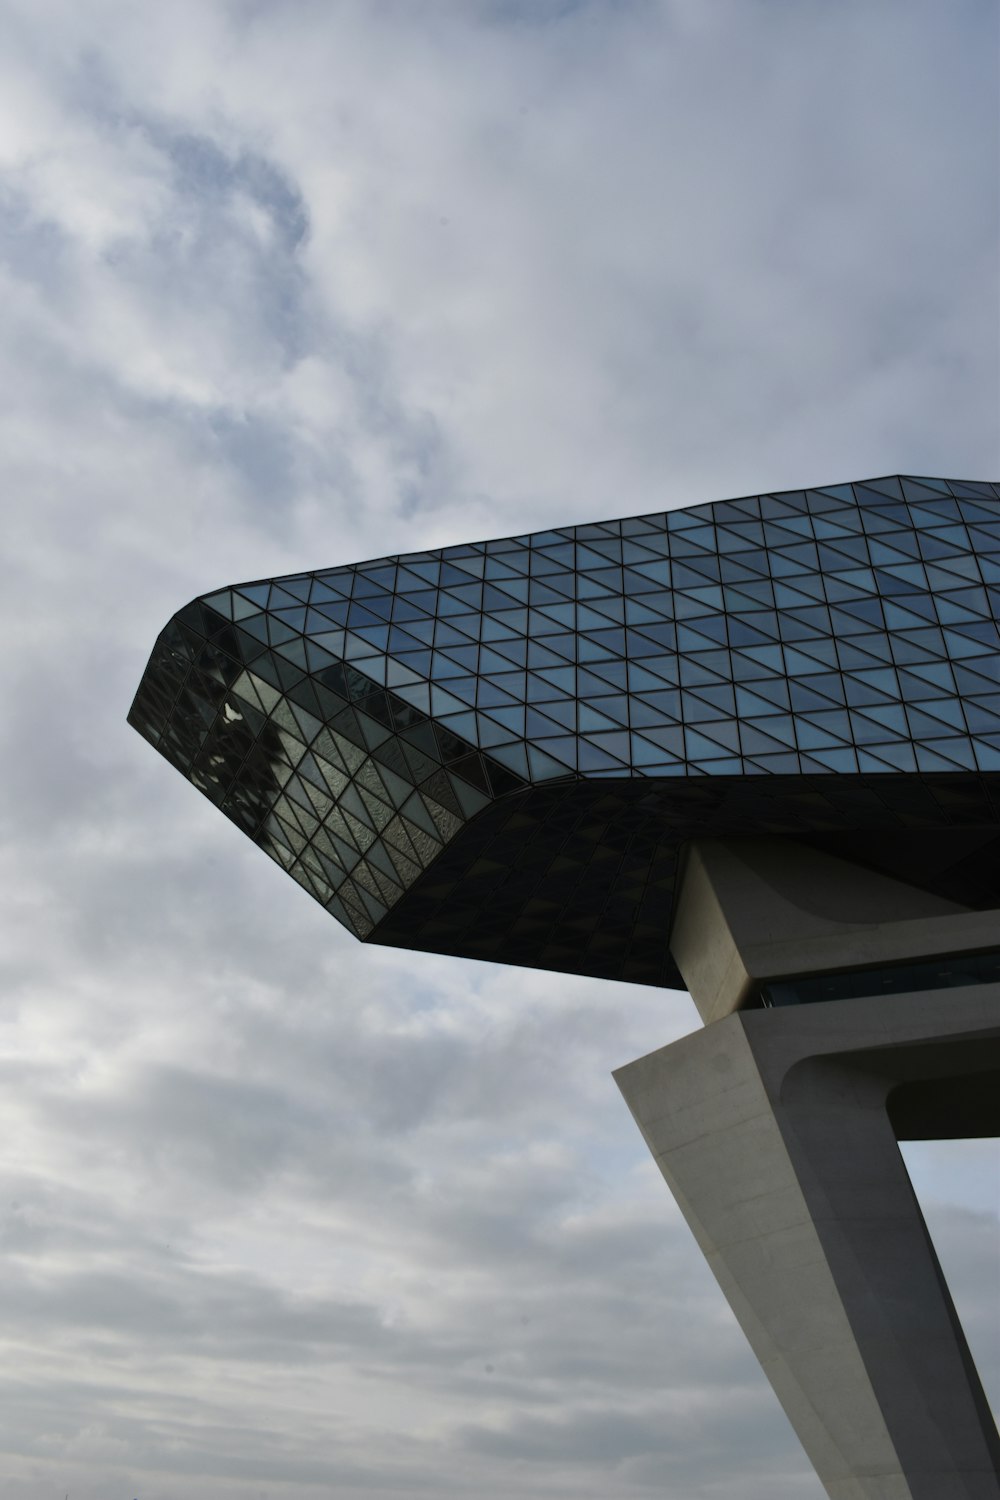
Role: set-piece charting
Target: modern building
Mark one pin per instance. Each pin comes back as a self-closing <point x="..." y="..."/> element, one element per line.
<point x="748" y="749"/>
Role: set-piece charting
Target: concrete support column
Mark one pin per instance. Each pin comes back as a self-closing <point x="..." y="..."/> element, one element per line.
<point x="776" y="1130"/>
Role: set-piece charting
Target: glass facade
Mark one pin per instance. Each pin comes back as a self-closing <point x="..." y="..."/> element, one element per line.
<point x="498" y="749"/>
<point x="955" y="972"/>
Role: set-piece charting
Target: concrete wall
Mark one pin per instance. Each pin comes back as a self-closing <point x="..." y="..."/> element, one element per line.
<point x="762" y="908"/>
<point x="776" y="1131"/>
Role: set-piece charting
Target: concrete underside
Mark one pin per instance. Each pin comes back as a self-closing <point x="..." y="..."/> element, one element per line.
<point x="777" y="1131"/>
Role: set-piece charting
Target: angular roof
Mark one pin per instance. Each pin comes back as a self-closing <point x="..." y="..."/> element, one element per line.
<point x="498" y="750"/>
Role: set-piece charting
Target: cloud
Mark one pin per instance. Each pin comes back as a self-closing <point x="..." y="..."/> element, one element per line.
<point x="288" y="285"/>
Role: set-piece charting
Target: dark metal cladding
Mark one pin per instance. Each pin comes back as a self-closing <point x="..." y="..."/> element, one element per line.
<point x="498" y="750"/>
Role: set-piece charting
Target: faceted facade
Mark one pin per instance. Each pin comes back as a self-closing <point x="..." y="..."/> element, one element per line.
<point x="499" y="750"/>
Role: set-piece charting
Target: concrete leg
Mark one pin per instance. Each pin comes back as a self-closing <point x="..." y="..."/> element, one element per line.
<point x="774" y="1130"/>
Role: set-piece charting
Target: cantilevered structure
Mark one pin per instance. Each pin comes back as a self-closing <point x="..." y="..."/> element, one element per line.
<point x="751" y="749"/>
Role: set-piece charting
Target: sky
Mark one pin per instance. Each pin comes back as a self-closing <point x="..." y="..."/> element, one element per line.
<point x="288" y="285"/>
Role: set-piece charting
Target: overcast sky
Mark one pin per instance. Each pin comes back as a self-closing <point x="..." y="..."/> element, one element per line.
<point x="288" y="284"/>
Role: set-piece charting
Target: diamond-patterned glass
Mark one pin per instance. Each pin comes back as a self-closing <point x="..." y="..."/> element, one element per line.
<point x="499" y="749"/>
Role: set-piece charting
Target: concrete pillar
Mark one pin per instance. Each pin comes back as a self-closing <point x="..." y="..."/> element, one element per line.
<point x="777" y="1131"/>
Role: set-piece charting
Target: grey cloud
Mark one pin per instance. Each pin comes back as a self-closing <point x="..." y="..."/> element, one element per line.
<point x="655" y="1446"/>
<point x="207" y="172"/>
<point x="283" y="286"/>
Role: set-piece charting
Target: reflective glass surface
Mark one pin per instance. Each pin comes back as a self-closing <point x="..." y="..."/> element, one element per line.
<point x="497" y="749"/>
<point x="954" y="972"/>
